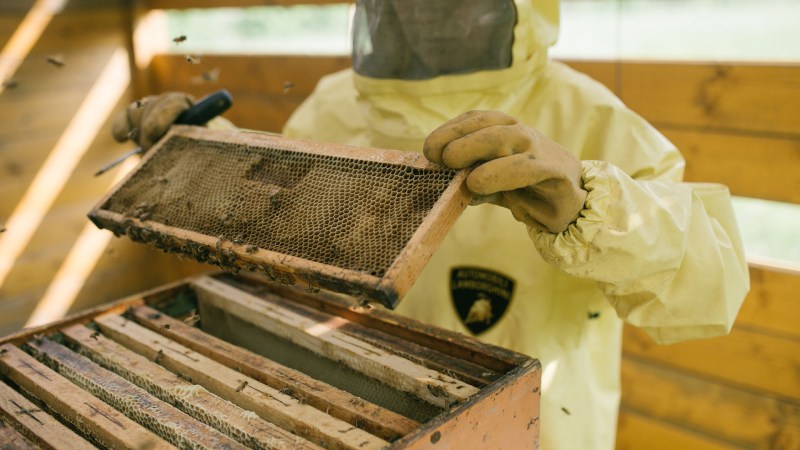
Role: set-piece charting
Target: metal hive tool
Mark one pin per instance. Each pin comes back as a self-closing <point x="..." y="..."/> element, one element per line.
<point x="360" y="221"/>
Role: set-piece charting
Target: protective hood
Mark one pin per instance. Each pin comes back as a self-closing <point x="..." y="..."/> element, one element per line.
<point x="407" y="107"/>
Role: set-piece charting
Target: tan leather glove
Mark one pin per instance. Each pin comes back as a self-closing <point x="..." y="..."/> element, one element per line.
<point x="520" y="168"/>
<point x="145" y="121"/>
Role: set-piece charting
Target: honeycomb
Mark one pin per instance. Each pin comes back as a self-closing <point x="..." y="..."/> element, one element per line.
<point x="355" y="214"/>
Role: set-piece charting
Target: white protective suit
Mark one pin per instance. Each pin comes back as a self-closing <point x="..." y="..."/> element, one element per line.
<point x="647" y="249"/>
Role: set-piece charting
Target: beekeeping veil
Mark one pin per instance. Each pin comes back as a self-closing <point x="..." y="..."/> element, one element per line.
<point x="421" y="39"/>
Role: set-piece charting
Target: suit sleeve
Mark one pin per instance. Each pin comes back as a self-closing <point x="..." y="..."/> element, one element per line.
<point x="667" y="255"/>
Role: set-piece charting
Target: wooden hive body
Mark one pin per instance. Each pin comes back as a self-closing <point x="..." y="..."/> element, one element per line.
<point x="236" y="361"/>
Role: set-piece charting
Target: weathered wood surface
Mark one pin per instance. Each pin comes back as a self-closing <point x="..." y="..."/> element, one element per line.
<point x="163" y="419"/>
<point x="333" y="401"/>
<point x="18" y="412"/>
<point x="269" y="403"/>
<point x="92" y="416"/>
<point x="324" y="339"/>
<point x="190" y="398"/>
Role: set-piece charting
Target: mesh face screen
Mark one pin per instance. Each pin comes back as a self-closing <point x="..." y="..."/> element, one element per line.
<point x="348" y="213"/>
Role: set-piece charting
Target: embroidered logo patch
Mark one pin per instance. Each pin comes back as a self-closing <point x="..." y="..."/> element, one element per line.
<point x="480" y="296"/>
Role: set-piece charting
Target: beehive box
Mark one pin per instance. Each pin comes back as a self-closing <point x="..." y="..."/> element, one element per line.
<point x="361" y="221"/>
<point x="235" y="361"/>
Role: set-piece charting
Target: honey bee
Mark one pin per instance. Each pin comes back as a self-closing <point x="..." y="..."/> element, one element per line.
<point x="10" y="84"/>
<point x="192" y="59"/>
<point x="209" y="76"/>
<point x="364" y="304"/>
<point x="192" y="320"/>
<point x="179" y="39"/>
<point x="437" y="390"/>
<point x="287" y="86"/>
<point x="94" y="335"/>
<point x="311" y="289"/>
<point x="56" y="60"/>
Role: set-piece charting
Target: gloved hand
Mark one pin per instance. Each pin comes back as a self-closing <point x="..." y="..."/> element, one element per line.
<point x="145" y="121"/>
<point x="520" y="168"/>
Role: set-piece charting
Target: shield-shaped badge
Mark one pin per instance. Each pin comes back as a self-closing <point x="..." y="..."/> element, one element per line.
<point x="481" y="296"/>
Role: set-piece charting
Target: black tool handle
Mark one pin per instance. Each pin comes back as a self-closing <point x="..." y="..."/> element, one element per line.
<point x="206" y="108"/>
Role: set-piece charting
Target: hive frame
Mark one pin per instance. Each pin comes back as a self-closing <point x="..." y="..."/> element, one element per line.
<point x="288" y="269"/>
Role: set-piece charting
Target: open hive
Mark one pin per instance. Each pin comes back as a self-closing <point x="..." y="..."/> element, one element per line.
<point x="360" y="221"/>
<point x="234" y="361"/>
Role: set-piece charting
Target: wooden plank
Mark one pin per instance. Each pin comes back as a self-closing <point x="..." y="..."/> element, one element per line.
<point x="635" y="432"/>
<point x="20" y="413"/>
<point x="13" y="440"/>
<point x="757" y="98"/>
<point x="324" y="339"/>
<point x="276" y="75"/>
<point x="333" y="401"/>
<point x="605" y="72"/>
<point x="269" y="403"/>
<point x="166" y="421"/>
<point x="190" y="398"/>
<point x="451" y="343"/>
<point x="705" y="405"/>
<point x="744" y="358"/>
<point x="266" y="89"/>
<point x="477" y="423"/>
<point x="741" y="162"/>
<point x="95" y="418"/>
<point x="771" y="305"/>
<point x="466" y="371"/>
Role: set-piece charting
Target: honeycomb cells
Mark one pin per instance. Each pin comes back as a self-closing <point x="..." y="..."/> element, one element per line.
<point x="349" y="213"/>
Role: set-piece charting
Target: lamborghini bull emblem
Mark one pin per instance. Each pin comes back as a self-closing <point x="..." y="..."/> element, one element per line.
<point x="480" y="296"/>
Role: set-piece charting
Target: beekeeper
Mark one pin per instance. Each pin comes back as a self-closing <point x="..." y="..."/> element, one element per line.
<point x="580" y="219"/>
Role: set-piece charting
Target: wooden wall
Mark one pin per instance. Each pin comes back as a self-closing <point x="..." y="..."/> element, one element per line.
<point x="736" y="123"/>
<point x="38" y="107"/>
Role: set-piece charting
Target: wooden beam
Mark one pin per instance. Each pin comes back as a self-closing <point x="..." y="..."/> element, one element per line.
<point x="771" y="306"/>
<point x="742" y="162"/>
<point x="340" y="404"/>
<point x="745" y="358"/>
<point x="269" y="403"/>
<point x="190" y="398"/>
<point x="90" y="415"/>
<point x="704" y="405"/>
<point x="637" y="432"/>
<point x="13" y="440"/>
<point x="324" y="339"/>
<point x="756" y="98"/>
<point x="18" y="412"/>
<point x="163" y="419"/>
